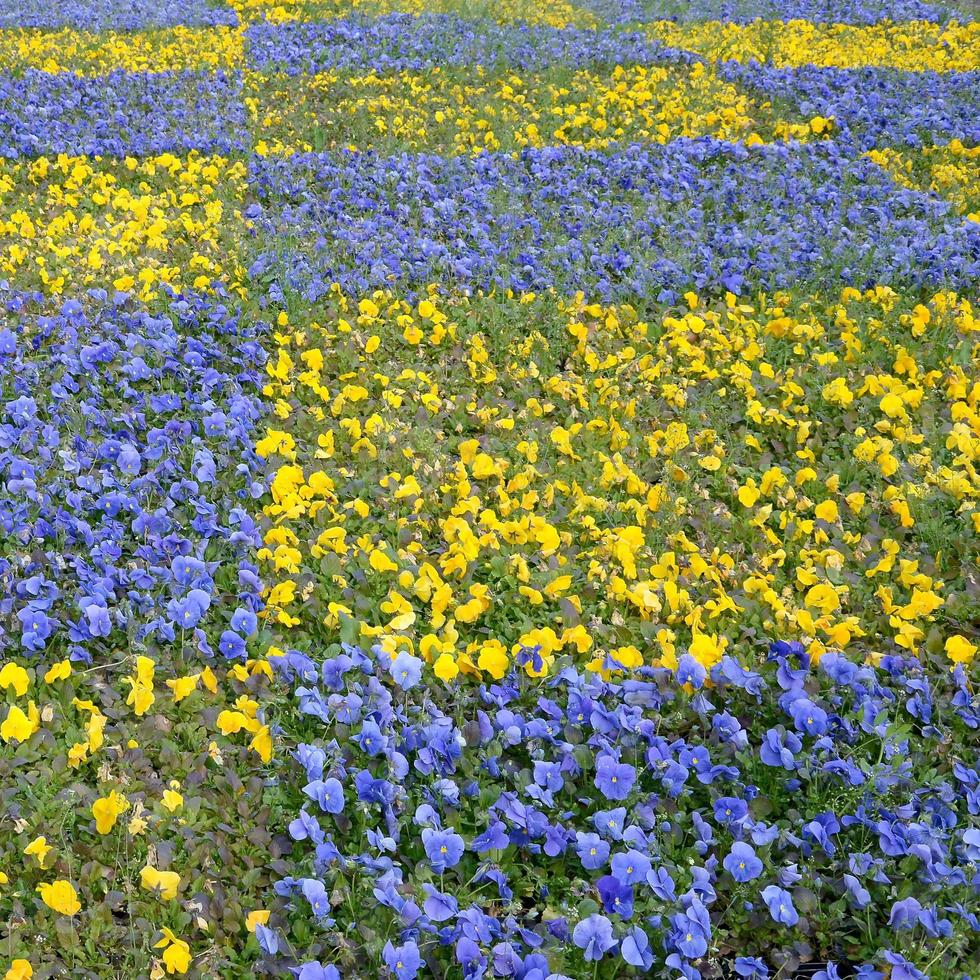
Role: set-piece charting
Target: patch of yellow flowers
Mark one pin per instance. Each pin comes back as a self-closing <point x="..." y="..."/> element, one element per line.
<point x="911" y="46"/>
<point x="71" y="222"/>
<point x="86" y="53"/>
<point x="951" y="171"/>
<point x="462" y="477"/>
<point x="554" y="13"/>
<point x="450" y="112"/>
<point x="154" y="809"/>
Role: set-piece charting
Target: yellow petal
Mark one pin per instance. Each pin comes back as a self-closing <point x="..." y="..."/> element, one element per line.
<point x="445" y="668"/>
<point x="38" y="848"/>
<point x="960" y="650"/>
<point x="61" y="897"/>
<point x="183" y="686"/>
<point x="13" y="675"/>
<point x="107" y="810"/>
<point x="230" y="722"/>
<point x="172" y="800"/>
<point x="258" y="917"/>
<point x="165" y="883"/>
<point x="58" y="672"/>
<point x="262" y="743"/>
<point x="177" y="957"/>
<point x="19" y="970"/>
<point x="17" y="726"/>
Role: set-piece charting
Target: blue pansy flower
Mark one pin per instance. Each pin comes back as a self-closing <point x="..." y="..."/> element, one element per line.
<point x="268" y="939"/>
<point x="635" y="949"/>
<point x="329" y="793"/>
<point x="662" y="884"/>
<point x="905" y="913"/>
<point x="470" y="957"/>
<point x="36" y="627"/>
<point x="742" y="863"/>
<point x="97" y="619"/>
<point x="371" y="739"/>
<point x="493" y="838"/>
<point x="901" y="968"/>
<point x="617" y="897"/>
<point x="592" y="851"/>
<point x="780" y="905"/>
<point x="808" y="717"/>
<point x="128" y="460"/>
<point x="231" y="645"/>
<point x="779" y="748"/>
<point x="730" y="810"/>
<point x="630" y="867"/>
<point x="859" y="894"/>
<point x="690" y="671"/>
<point x="443" y="848"/>
<point x="244" y="621"/>
<point x="751" y="968"/>
<point x="829" y="972"/>
<point x="594" y="936"/>
<point x="186" y="570"/>
<point x="614" y="779"/>
<point x="610" y="823"/>
<point x="187" y="612"/>
<point x="691" y="930"/>
<point x="402" y="961"/>
<point x="314" y="970"/>
<point x="315" y="892"/>
<point x="406" y="670"/>
<point x="439" y="907"/>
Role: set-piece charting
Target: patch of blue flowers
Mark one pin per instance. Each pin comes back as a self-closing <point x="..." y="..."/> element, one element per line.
<point x="872" y="107"/>
<point x="106" y="15"/>
<point x="398" y="42"/>
<point x="640" y="221"/>
<point x="745" y="11"/>
<point x="738" y="823"/>
<point x="128" y="472"/>
<point x="120" y="114"/>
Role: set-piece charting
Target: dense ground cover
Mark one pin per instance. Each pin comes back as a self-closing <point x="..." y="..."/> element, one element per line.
<point x="489" y="489"/>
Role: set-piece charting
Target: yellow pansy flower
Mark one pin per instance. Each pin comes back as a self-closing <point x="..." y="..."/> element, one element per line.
<point x="18" y="725"/>
<point x="176" y="952"/>
<point x="13" y="675"/>
<point x="58" y="672"/>
<point x="257" y="917"/>
<point x="182" y="687"/>
<point x="107" y="809"/>
<point x="60" y="896"/>
<point x="261" y="743"/>
<point x="960" y="650"/>
<point x="172" y="800"/>
<point x="165" y="883"/>
<point x="445" y="668"/>
<point x="40" y="849"/>
<point x="141" y="696"/>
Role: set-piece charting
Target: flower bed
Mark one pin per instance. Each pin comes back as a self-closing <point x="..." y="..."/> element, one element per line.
<point x="738" y="822"/>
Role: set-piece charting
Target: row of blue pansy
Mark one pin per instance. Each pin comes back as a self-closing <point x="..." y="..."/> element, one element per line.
<point x="636" y="222"/>
<point x="142" y="113"/>
<point x="101" y="15"/>
<point x="763" y="819"/>
<point x="127" y="478"/>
